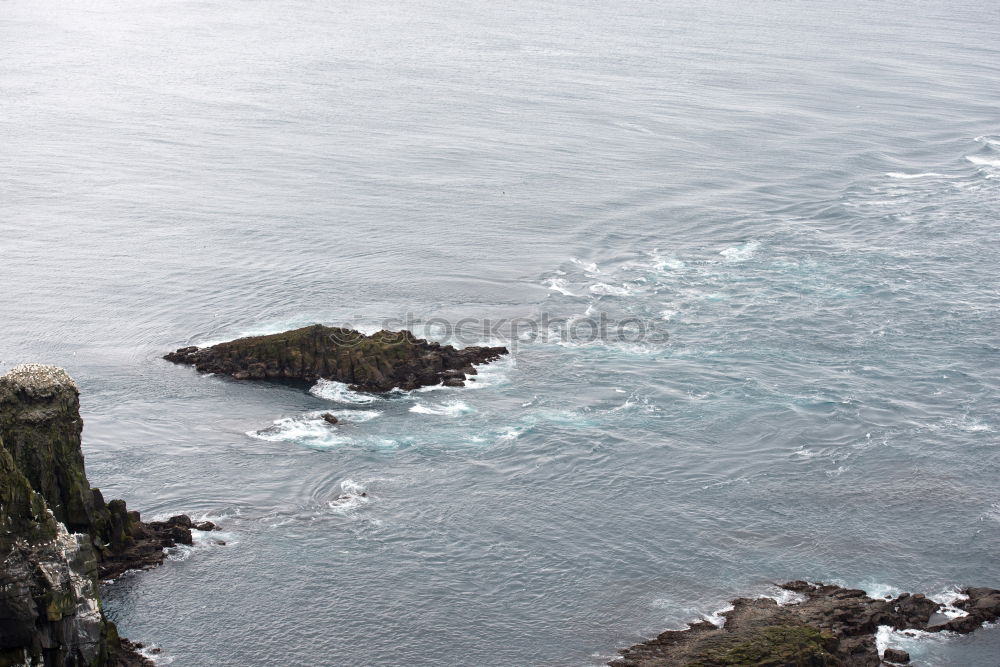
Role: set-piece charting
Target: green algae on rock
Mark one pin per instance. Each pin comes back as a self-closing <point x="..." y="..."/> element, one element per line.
<point x="58" y="536"/>
<point x="50" y="610"/>
<point x="380" y="362"/>
<point x="829" y="627"/>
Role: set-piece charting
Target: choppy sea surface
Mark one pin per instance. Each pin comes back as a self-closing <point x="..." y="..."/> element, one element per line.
<point x="800" y="199"/>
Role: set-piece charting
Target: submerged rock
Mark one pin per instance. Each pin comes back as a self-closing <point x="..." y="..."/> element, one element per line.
<point x="57" y="535"/>
<point x="378" y="363"/>
<point x="831" y="627"/>
<point x="329" y="418"/>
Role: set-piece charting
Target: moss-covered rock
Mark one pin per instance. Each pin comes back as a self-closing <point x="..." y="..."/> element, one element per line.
<point x="50" y="609"/>
<point x="50" y="522"/>
<point x="784" y="645"/>
<point x="830" y="626"/>
<point x="41" y="425"/>
<point x="380" y="362"/>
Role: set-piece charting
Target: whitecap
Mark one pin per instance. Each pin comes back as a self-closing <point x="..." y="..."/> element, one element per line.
<point x="667" y="314"/>
<point x="450" y="409"/>
<point x="741" y="253"/>
<point x="332" y="390"/>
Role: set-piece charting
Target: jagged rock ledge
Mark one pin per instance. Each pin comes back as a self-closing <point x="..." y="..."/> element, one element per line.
<point x="57" y="535"/>
<point x="830" y="627"/>
<point x="380" y="362"/>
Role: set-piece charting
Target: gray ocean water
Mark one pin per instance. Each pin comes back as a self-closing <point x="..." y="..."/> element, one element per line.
<point x="804" y="197"/>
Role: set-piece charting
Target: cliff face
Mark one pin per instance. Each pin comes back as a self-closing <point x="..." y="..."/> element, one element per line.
<point x="50" y="611"/>
<point x="380" y="362"/>
<point x="41" y="425"/>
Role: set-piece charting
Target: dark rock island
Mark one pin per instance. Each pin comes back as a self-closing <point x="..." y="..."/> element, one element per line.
<point x="58" y="537"/>
<point x="831" y="627"/>
<point x="380" y="362"/>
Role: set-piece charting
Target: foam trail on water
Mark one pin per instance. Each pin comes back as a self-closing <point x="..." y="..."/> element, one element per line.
<point x="449" y="409"/>
<point x="741" y="253"/>
<point x="558" y="285"/>
<point x="985" y="162"/>
<point x="588" y="267"/>
<point x="604" y="289"/>
<point x="904" y="176"/>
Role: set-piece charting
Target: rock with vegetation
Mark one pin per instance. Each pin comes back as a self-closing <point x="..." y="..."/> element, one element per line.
<point x="829" y="627"/>
<point x="380" y="362"/>
<point x="57" y="535"/>
<point x="50" y="610"/>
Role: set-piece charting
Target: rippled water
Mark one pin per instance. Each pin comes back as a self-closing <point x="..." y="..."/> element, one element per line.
<point x="804" y="197"/>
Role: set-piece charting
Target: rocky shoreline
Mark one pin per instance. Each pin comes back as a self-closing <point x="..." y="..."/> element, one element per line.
<point x="829" y="626"/>
<point x="58" y="537"/>
<point x="381" y="362"/>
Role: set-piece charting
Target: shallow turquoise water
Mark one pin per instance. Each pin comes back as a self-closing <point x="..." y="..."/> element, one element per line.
<point x="800" y="201"/>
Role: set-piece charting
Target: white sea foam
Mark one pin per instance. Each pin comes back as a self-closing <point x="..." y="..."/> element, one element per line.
<point x="905" y="176"/>
<point x="314" y="433"/>
<point x="667" y="314"/>
<point x="604" y="289"/>
<point x="353" y="495"/>
<point x="948" y="599"/>
<point x="510" y="434"/>
<point x="153" y="653"/>
<point x="877" y="589"/>
<point x="589" y="267"/>
<point x="210" y="539"/>
<point x="783" y="596"/>
<point x="741" y="253"/>
<point x="354" y="416"/>
<point x="332" y="390"/>
<point x="659" y="262"/>
<point x="993" y="142"/>
<point x="982" y="161"/>
<point x="558" y="285"/>
<point x="716" y="618"/>
<point x="910" y="641"/>
<point x="449" y="409"/>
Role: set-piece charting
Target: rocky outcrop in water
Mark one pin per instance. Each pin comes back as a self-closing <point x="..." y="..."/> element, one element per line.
<point x="378" y="363"/>
<point x="57" y="535"/>
<point x="830" y="627"/>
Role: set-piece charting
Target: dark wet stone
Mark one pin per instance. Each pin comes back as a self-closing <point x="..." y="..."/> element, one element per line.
<point x="832" y="627"/>
<point x="377" y="363"/>
<point x="896" y="655"/>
